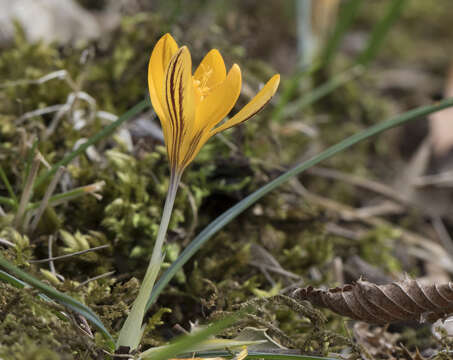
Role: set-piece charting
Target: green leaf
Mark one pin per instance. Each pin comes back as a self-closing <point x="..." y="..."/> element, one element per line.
<point x="186" y="342"/>
<point x="210" y="345"/>
<point x="234" y="211"/>
<point x="344" y="22"/>
<point x="54" y="294"/>
<point x="8" y="185"/>
<point x="380" y="31"/>
<point x="290" y="87"/>
<point x="7" y="201"/>
<point x="4" y="276"/>
<point x="324" y="89"/>
<point x="28" y="161"/>
<point x="263" y="355"/>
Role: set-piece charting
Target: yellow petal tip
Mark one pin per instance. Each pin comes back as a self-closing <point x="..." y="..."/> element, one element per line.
<point x="276" y="80"/>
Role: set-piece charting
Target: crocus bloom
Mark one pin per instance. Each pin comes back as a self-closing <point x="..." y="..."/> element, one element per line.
<point x="191" y="107"/>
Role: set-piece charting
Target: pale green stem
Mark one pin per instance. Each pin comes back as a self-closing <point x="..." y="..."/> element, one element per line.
<point x="131" y="332"/>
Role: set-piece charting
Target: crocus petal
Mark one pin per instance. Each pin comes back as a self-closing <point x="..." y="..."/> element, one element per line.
<point x="218" y="103"/>
<point x="211" y="111"/>
<point x="164" y="50"/>
<point x="179" y="104"/>
<point x="253" y="107"/>
<point x="213" y="64"/>
<point x="198" y="141"/>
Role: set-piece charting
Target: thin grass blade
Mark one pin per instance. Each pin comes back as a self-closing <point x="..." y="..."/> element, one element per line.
<point x="289" y="89"/>
<point x="7" y="201"/>
<point x="347" y="15"/>
<point x="5" y="277"/>
<point x="29" y="159"/>
<point x="380" y="31"/>
<point x="211" y="345"/>
<point x="262" y="355"/>
<point x="326" y="88"/>
<point x="8" y="186"/>
<point x="182" y="344"/>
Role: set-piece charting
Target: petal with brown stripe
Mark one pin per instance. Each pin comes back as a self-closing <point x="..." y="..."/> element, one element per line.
<point x="179" y="102"/>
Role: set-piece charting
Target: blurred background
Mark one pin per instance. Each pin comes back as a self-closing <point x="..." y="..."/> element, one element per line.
<point x="384" y="208"/>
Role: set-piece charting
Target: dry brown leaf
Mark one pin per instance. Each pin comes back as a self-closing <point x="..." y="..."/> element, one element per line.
<point x="382" y="304"/>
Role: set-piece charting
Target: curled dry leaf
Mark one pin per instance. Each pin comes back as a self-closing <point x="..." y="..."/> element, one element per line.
<point x="404" y="300"/>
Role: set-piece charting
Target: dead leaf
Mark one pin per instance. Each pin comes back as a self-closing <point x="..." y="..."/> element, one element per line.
<point x="399" y="301"/>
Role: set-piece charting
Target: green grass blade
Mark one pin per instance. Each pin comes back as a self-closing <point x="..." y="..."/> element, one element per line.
<point x="54" y="294"/>
<point x="107" y="131"/>
<point x="7" y="201"/>
<point x="4" y="276"/>
<point x="234" y="211"/>
<point x="210" y="345"/>
<point x="8" y="186"/>
<point x="28" y="161"/>
<point x="344" y="22"/>
<point x="180" y="345"/>
<point x="262" y="355"/>
<point x="380" y="31"/>
<point x="324" y="89"/>
<point x="289" y="89"/>
<point x="62" y="197"/>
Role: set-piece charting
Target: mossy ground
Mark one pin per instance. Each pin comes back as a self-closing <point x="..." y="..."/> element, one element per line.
<point x="221" y="275"/>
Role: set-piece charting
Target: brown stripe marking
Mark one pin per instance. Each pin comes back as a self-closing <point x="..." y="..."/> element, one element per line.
<point x="170" y="93"/>
<point x="192" y="147"/>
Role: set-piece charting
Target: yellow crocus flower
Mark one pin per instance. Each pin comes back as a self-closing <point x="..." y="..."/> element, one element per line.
<point x="191" y="107"/>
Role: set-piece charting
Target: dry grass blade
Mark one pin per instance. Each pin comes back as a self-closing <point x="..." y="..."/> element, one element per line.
<point x="399" y="301"/>
<point x="45" y="201"/>
<point x="27" y="191"/>
<point x="71" y="254"/>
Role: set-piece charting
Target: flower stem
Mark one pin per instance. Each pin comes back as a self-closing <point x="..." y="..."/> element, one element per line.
<point x="131" y="332"/>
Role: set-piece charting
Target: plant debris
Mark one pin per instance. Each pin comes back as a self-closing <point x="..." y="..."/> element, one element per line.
<point x="399" y="301"/>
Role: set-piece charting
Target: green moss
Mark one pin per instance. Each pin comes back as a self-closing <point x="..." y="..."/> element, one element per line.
<point x="377" y="248"/>
<point x="34" y="329"/>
